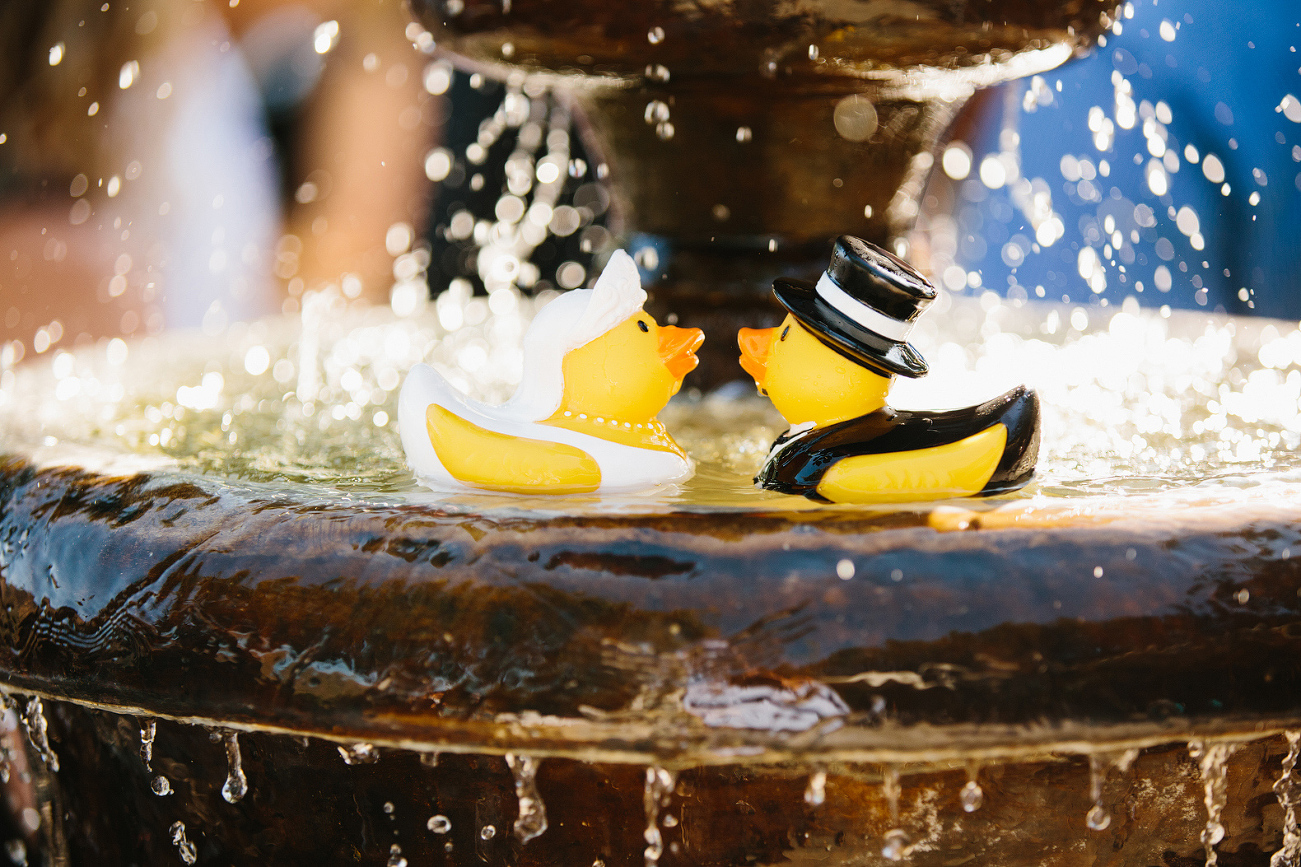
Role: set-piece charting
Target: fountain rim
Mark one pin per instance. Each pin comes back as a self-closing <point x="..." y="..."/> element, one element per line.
<point x="951" y="746"/>
<point x="912" y="83"/>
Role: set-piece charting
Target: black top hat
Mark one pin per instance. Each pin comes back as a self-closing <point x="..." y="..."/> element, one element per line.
<point x="863" y="307"/>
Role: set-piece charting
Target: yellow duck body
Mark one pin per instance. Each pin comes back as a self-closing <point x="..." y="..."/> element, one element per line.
<point x="837" y="410"/>
<point x="583" y="420"/>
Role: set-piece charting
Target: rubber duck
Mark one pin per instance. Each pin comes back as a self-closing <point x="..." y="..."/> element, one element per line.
<point x="597" y="370"/>
<point x="828" y="368"/>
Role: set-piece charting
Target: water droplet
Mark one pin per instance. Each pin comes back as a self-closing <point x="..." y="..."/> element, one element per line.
<point x="855" y="118"/>
<point x="655" y="796"/>
<point x="655" y="36"/>
<point x="891" y="789"/>
<point x="744" y="134"/>
<point x="147" y="733"/>
<point x="236" y="785"/>
<point x="395" y="858"/>
<point x="439" y="824"/>
<point x="359" y="754"/>
<point x="813" y="52"/>
<point x="184" y="847"/>
<point x="815" y="793"/>
<point x="657" y="111"/>
<point x="665" y="130"/>
<point x="38" y="733"/>
<point x="1288" y="793"/>
<point x="487" y="832"/>
<point x="161" y="786"/>
<point x="895" y="847"/>
<point x="1098" y="818"/>
<point x="429" y="760"/>
<point x="971" y="796"/>
<point x="658" y="72"/>
<point x="532" y="820"/>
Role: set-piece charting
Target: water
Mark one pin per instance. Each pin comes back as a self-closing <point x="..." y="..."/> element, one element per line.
<point x="148" y="731"/>
<point x="37" y="733"/>
<point x="972" y="797"/>
<point x="655" y="797"/>
<point x="815" y="793"/>
<point x="532" y="820"/>
<point x="359" y="754"/>
<point x="1156" y="408"/>
<point x="1288" y="792"/>
<point x="896" y="842"/>
<point x="1098" y="818"/>
<point x="1212" y="760"/>
<point x="187" y="850"/>
<point x="236" y="785"/>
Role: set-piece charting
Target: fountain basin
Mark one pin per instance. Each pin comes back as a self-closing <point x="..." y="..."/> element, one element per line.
<point x="340" y="626"/>
<point x="728" y="648"/>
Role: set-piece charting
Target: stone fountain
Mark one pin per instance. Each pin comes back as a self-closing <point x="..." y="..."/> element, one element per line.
<point x="216" y="666"/>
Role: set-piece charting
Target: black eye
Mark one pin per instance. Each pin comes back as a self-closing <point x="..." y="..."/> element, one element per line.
<point x="641" y="323"/>
<point x="785" y="331"/>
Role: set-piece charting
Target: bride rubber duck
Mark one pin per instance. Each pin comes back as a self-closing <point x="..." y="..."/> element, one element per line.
<point x="597" y="369"/>
<point x="828" y="367"/>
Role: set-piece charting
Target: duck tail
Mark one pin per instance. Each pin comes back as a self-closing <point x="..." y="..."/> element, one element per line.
<point x="425" y="385"/>
<point x="1018" y="410"/>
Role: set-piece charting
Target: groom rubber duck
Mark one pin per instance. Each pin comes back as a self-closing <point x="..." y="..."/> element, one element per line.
<point x="827" y="369"/>
<point x="597" y="368"/>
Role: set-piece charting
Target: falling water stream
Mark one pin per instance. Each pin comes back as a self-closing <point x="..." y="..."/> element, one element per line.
<point x="1289" y="797"/>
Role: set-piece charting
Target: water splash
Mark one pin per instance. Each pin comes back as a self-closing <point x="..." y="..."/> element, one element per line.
<point x="38" y="733"/>
<point x="189" y="854"/>
<point x="532" y="820"/>
<point x="1289" y="797"/>
<point x="1213" y="760"/>
<point x="359" y="754"/>
<point x="439" y="824"/>
<point x="395" y="857"/>
<point x="816" y="791"/>
<point x="895" y="846"/>
<point x="236" y="785"/>
<point x="972" y="796"/>
<point x="655" y="796"/>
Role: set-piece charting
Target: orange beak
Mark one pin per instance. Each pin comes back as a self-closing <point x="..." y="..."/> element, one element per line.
<point x="756" y="344"/>
<point x="677" y="349"/>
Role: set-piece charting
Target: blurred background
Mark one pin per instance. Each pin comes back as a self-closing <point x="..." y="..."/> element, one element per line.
<point x="188" y="163"/>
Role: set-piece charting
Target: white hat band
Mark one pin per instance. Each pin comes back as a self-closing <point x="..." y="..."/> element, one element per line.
<point x="873" y="320"/>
